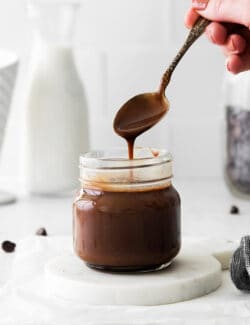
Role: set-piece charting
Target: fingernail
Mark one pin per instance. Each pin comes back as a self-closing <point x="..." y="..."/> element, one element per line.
<point x="228" y="66"/>
<point x="232" y="47"/>
<point x="199" y="4"/>
<point x="210" y="35"/>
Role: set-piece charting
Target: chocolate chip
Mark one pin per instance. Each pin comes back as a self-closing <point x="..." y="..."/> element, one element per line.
<point x="8" y="246"/>
<point x="234" y="209"/>
<point x="41" y="232"/>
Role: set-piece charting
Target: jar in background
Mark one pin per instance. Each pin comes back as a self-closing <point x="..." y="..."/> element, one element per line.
<point x="126" y="216"/>
<point x="237" y="103"/>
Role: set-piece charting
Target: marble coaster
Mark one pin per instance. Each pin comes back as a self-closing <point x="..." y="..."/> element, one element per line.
<point x="220" y="248"/>
<point x="190" y="276"/>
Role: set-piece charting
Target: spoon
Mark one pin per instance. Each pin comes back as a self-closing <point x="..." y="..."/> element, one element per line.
<point x="143" y="111"/>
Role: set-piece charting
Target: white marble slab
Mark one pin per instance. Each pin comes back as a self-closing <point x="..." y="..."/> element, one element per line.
<point x="25" y="295"/>
<point x="189" y="276"/>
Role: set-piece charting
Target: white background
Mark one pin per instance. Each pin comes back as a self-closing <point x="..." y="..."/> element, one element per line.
<point x="122" y="48"/>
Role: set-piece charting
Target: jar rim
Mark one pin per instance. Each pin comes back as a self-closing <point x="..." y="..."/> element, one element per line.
<point x="111" y="170"/>
<point x="117" y="158"/>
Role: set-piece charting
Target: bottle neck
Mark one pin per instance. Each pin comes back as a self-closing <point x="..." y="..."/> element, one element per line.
<point x="53" y="23"/>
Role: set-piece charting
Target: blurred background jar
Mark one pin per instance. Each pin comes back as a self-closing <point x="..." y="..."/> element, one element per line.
<point x="237" y="105"/>
<point x="56" y="109"/>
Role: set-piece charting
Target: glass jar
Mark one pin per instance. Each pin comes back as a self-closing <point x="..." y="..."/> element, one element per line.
<point x="237" y="103"/>
<point x="126" y="217"/>
<point x="56" y="113"/>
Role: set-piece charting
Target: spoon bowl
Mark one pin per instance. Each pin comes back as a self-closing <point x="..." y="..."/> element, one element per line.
<point x="140" y="113"/>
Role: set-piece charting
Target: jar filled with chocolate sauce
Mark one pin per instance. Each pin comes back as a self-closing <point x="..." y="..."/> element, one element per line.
<point x="126" y="217"/>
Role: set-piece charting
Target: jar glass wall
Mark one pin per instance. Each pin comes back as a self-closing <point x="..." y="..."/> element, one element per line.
<point x="126" y="217"/>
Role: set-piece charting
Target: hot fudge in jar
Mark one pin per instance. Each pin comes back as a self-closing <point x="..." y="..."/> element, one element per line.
<point x="126" y="216"/>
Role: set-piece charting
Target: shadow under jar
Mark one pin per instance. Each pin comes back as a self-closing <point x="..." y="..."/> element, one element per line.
<point x="126" y="217"/>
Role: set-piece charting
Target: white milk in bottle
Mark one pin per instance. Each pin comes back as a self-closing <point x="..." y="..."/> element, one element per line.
<point x="56" y="108"/>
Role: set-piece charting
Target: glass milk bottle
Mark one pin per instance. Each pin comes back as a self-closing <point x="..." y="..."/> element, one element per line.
<point x="237" y="98"/>
<point x="56" y="108"/>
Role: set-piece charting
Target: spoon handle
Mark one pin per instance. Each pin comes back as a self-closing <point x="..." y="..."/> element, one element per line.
<point x="196" y="31"/>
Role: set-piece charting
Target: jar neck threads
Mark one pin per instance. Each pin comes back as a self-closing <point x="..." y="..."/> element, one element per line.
<point x="112" y="171"/>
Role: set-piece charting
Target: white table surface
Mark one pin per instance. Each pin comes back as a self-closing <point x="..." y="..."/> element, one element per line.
<point x="205" y="213"/>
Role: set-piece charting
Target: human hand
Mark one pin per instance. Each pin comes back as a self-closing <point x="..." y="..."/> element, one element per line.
<point x="230" y="28"/>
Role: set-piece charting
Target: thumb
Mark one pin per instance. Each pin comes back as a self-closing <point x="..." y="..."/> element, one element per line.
<point x="231" y="11"/>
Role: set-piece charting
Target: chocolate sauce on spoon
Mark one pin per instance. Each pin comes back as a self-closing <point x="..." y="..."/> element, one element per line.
<point x="143" y="111"/>
<point x="138" y="115"/>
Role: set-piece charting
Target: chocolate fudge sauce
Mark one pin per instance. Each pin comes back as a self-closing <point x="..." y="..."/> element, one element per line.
<point x="127" y="231"/>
